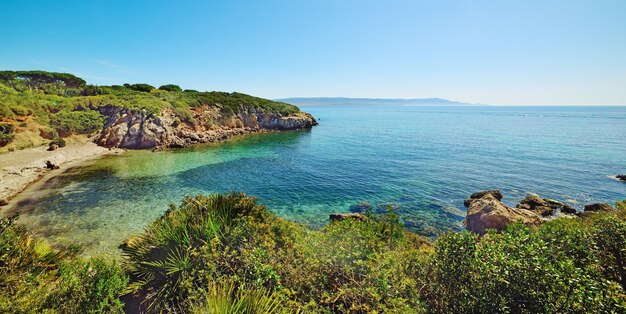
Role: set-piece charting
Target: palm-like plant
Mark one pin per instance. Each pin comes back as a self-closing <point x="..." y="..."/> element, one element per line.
<point x="227" y="298"/>
<point x="165" y="260"/>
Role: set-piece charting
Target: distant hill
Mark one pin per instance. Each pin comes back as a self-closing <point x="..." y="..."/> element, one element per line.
<point x="329" y="101"/>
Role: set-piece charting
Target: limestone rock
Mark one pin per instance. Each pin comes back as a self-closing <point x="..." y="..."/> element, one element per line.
<point x="488" y="212"/>
<point x="138" y="129"/>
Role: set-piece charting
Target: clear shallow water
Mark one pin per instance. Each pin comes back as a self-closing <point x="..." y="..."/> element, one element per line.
<point x="424" y="160"/>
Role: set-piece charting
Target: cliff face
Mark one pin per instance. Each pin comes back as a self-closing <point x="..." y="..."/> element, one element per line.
<point x="133" y="129"/>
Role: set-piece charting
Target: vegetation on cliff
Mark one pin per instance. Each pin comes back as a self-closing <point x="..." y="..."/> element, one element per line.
<point x="225" y="253"/>
<point x="59" y="104"/>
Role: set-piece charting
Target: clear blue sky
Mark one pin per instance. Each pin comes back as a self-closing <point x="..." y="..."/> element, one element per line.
<point x="495" y="52"/>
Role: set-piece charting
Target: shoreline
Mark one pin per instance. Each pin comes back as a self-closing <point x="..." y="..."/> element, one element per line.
<point x="21" y="169"/>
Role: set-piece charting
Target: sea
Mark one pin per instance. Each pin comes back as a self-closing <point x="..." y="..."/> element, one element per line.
<point x="418" y="161"/>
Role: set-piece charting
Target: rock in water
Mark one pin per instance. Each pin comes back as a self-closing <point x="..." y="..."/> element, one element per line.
<point x="488" y="212"/>
<point x="342" y="217"/>
<point x="621" y="177"/>
<point x="597" y="207"/>
<point x="360" y="207"/>
<point x="495" y="193"/>
<point x="544" y="206"/>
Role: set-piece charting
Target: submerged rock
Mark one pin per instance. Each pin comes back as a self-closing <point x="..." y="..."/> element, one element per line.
<point x="486" y="211"/>
<point x="596" y="207"/>
<point x="360" y="207"/>
<point x="621" y="177"/>
<point x="342" y="217"/>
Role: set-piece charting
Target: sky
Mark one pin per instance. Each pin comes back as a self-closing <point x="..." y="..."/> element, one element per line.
<point x="491" y="52"/>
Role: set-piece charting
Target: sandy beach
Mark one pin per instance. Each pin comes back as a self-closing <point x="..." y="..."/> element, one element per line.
<point x="20" y="169"/>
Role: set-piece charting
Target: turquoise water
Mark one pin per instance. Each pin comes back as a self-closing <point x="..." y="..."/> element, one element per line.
<point x="422" y="160"/>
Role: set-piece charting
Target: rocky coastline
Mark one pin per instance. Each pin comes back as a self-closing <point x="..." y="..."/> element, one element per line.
<point x="137" y="129"/>
<point x="485" y="210"/>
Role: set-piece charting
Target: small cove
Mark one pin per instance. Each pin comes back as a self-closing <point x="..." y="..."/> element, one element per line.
<point x="421" y="160"/>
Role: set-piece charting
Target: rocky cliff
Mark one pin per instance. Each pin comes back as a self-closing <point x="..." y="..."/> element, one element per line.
<point x="137" y="129"/>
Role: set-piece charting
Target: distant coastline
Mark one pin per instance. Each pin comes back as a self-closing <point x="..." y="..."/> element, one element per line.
<point x="346" y="101"/>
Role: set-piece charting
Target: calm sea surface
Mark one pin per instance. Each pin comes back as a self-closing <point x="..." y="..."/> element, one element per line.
<point x="421" y="160"/>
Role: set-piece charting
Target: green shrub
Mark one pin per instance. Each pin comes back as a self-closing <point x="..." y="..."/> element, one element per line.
<point x="226" y="298"/>
<point x="142" y="87"/>
<point x="93" y="286"/>
<point x="59" y="141"/>
<point x="37" y="279"/>
<point x="226" y="253"/>
<point x="92" y="90"/>
<point x="171" y="88"/>
<point x="347" y="266"/>
<point x="520" y="271"/>
<point x="204" y="240"/>
<point x="77" y="122"/>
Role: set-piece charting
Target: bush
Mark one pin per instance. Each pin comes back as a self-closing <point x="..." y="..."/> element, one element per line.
<point x="140" y="87"/>
<point x="347" y="266"/>
<point x="92" y="90"/>
<point x="171" y="88"/>
<point x="227" y="298"/>
<point x="226" y="253"/>
<point x="37" y="279"/>
<point x="59" y="141"/>
<point x="520" y="270"/>
<point x="204" y="240"/>
<point x="77" y="122"/>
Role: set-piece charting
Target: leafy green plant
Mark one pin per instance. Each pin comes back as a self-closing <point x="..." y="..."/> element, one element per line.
<point x="34" y="278"/>
<point x="226" y="298"/>
<point x="77" y="122"/>
<point x="59" y="141"/>
<point x="519" y="270"/>
<point x="171" y="88"/>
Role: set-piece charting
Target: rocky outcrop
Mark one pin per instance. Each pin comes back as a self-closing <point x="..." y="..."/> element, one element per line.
<point x="51" y="166"/>
<point x="621" y="177"/>
<point x="342" y="217"/>
<point x="598" y="207"/>
<point x="139" y="129"/>
<point x="495" y="193"/>
<point x="486" y="211"/>
<point x="545" y="207"/>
